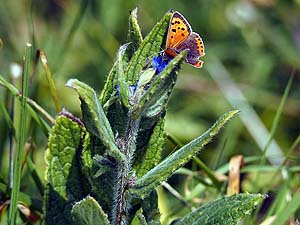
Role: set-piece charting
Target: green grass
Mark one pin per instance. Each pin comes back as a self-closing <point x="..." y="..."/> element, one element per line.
<point x="21" y="139"/>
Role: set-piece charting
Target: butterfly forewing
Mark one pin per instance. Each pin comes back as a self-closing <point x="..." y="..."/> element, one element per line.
<point x="179" y="31"/>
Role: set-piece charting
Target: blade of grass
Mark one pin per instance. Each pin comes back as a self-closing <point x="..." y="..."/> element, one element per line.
<point x="35" y="203"/>
<point x="50" y="81"/>
<point x="177" y="195"/>
<point x="220" y="154"/>
<point x="16" y="72"/>
<point x="280" y="200"/>
<point x="74" y="27"/>
<point x="177" y="143"/>
<point x="209" y="173"/>
<point x="31" y="27"/>
<point x="268" y="168"/>
<point x="12" y="134"/>
<point x="6" y="117"/>
<point x="289" y="209"/>
<point x="272" y="132"/>
<point x="274" y="128"/>
<point x="248" y="160"/>
<point x="278" y="114"/>
<point x="249" y="117"/>
<point x="201" y="164"/>
<point x="35" y="175"/>
<point x="195" y="175"/>
<point x="14" y="91"/>
<point x="35" y="67"/>
<point x="21" y="139"/>
<point x="293" y="146"/>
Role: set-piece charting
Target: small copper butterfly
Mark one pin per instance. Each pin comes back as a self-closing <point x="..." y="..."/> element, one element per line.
<point x="180" y="37"/>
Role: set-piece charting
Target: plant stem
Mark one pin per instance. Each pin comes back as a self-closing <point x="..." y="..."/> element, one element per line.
<point x="127" y="146"/>
<point x="19" y="153"/>
<point x="12" y="133"/>
<point x="50" y="82"/>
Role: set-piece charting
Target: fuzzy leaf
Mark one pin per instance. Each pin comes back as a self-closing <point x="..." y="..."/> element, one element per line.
<point x="290" y="208"/>
<point x="124" y="92"/>
<point x="88" y="212"/>
<point x="224" y="211"/>
<point x="102" y="184"/>
<point x="173" y="162"/>
<point x="117" y="115"/>
<point x="134" y="32"/>
<point x="94" y="117"/>
<point x="109" y="86"/>
<point x="66" y="183"/>
<point x="139" y="219"/>
<point x="147" y="156"/>
<point x="87" y="159"/>
<point x="150" y="209"/>
<point x="161" y="86"/>
<point x="151" y="45"/>
<point x="159" y="106"/>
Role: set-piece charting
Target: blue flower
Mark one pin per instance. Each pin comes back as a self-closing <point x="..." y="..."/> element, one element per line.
<point x="159" y="63"/>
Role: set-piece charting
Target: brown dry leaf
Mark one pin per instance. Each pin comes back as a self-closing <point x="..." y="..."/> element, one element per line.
<point x="235" y="165"/>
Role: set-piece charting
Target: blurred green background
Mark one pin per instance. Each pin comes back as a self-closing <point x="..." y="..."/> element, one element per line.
<point x="252" y="49"/>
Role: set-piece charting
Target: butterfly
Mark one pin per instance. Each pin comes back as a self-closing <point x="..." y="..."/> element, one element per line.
<point x="180" y="37"/>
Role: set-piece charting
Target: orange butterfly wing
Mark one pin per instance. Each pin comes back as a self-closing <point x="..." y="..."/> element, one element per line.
<point x="196" y="52"/>
<point x="179" y="31"/>
<point x="196" y="49"/>
<point x="181" y="37"/>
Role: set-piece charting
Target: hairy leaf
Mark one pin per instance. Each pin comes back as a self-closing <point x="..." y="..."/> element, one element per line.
<point x="173" y="162"/>
<point x="117" y="115"/>
<point x="66" y="183"/>
<point x="161" y="86"/>
<point x="150" y="209"/>
<point x="224" y="211"/>
<point x="88" y="212"/>
<point x="121" y="82"/>
<point x="134" y="33"/>
<point x="149" y="146"/>
<point x="94" y="117"/>
<point x="109" y="86"/>
<point x="102" y="183"/>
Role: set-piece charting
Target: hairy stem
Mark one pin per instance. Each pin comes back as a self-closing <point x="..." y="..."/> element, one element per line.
<point x="127" y="145"/>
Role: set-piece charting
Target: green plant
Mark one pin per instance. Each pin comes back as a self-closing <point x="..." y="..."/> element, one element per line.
<point x="104" y="170"/>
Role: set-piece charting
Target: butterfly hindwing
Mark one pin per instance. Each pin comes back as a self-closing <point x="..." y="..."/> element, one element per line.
<point x="194" y="61"/>
<point x="194" y="43"/>
<point x="196" y="49"/>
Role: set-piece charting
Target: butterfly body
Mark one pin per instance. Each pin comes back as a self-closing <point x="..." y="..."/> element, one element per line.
<point x="180" y="37"/>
